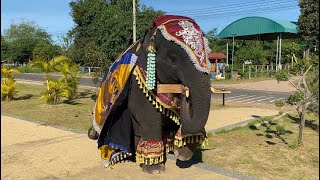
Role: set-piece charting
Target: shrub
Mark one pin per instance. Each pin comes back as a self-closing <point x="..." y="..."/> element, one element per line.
<point x="8" y="84"/>
<point x="57" y="90"/>
<point x="29" y="69"/>
<point x="280" y="130"/>
<point x="295" y="98"/>
<point x="282" y="75"/>
<point x="279" y="103"/>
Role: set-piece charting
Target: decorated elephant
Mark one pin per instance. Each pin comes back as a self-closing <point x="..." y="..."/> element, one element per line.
<point x="134" y="118"/>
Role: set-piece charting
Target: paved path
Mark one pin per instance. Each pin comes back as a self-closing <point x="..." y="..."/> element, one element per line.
<point x="34" y="151"/>
<point x="251" y="97"/>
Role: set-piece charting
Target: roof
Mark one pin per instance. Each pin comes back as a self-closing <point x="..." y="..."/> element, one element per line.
<point x="265" y="28"/>
<point x="216" y="56"/>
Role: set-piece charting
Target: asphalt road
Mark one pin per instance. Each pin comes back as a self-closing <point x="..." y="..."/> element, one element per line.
<point x="246" y="96"/>
<point x="252" y="96"/>
<point x="85" y="81"/>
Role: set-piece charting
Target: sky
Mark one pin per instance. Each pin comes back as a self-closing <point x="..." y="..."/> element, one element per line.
<point x="54" y="15"/>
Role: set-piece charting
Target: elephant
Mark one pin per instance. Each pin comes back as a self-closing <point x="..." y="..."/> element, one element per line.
<point x="132" y="120"/>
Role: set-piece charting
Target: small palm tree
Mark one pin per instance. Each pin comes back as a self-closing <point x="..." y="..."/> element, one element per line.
<point x="57" y="89"/>
<point x="71" y="76"/>
<point x="8" y="84"/>
<point x="48" y="66"/>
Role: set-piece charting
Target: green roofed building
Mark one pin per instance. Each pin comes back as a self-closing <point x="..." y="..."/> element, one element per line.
<point x="259" y="28"/>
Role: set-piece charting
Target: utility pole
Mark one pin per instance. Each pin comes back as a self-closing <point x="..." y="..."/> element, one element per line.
<point x="232" y="56"/>
<point x="134" y="20"/>
<point x="227" y="54"/>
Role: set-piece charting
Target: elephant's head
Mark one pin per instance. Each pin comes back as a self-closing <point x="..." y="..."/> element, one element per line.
<point x="176" y="63"/>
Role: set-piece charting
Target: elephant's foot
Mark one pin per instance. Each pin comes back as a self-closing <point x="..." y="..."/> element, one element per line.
<point x="92" y="133"/>
<point x="153" y="169"/>
<point x="183" y="153"/>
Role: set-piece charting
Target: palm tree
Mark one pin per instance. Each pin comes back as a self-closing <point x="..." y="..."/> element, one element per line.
<point x="71" y="76"/>
<point x="8" y="85"/>
<point x="49" y="66"/>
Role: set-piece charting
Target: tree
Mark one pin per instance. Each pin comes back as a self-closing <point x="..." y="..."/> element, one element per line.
<point x="308" y="22"/>
<point x="21" y="39"/>
<point x="216" y="44"/>
<point x="45" y="50"/>
<point x="105" y="27"/>
<point x="306" y="96"/>
<point x="4" y="49"/>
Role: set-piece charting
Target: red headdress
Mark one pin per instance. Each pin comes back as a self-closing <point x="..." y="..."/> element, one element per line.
<point x="187" y="33"/>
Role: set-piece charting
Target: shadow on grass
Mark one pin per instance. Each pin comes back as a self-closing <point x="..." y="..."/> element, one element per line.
<point x="71" y="102"/>
<point x="308" y="123"/>
<point x="25" y="97"/>
<point x="269" y="133"/>
<point x="85" y="94"/>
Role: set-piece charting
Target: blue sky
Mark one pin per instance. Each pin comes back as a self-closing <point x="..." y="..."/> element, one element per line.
<point x="54" y="15"/>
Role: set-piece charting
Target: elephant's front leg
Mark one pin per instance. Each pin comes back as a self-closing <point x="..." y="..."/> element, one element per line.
<point x="150" y="152"/>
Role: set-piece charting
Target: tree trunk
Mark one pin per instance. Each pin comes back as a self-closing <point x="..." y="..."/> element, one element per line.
<point x="48" y="84"/>
<point x="303" y="110"/>
<point x="302" y="124"/>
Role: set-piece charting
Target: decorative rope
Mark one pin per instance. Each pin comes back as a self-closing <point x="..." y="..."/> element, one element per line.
<point x="163" y="108"/>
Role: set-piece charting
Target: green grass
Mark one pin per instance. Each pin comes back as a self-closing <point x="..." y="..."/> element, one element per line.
<point x="264" y="153"/>
<point x="74" y="115"/>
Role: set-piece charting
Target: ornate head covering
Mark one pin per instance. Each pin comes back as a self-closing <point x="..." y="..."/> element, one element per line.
<point x="187" y="33"/>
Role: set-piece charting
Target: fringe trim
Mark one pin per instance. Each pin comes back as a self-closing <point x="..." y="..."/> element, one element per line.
<point x="169" y="145"/>
<point x="190" y="139"/>
<point x="156" y="102"/>
<point x="149" y="160"/>
<point x="189" y="51"/>
<point x="150" y="152"/>
<point x="116" y="158"/>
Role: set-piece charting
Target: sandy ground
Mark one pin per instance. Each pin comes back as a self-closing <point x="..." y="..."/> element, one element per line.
<point x="266" y="85"/>
<point x="33" y="151"/>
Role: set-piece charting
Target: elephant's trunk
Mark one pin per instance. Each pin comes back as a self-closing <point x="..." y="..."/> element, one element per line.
<point x="194" y="110"/>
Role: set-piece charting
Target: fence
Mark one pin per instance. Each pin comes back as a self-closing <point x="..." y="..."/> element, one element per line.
<point x="249" y="71"/>
<point x="90" y="69"/>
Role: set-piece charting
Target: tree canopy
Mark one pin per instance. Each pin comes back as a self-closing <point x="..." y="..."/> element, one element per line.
<point x="22" y="41"/>
<point x="308" y="21"/>
<point x="104" y="29"/>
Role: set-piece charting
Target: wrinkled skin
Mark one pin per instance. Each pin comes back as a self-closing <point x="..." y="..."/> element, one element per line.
<point x="173" y="66"/>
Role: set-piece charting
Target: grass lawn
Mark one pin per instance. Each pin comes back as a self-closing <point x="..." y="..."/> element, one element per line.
<point x="269" y="151"/>
<point x="74" y="115"/>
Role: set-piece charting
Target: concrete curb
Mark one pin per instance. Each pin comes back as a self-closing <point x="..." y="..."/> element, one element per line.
<point x="200" y="165"/>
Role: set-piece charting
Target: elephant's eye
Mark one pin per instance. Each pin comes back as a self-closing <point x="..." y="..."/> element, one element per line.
<point x="173" y="59"/>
